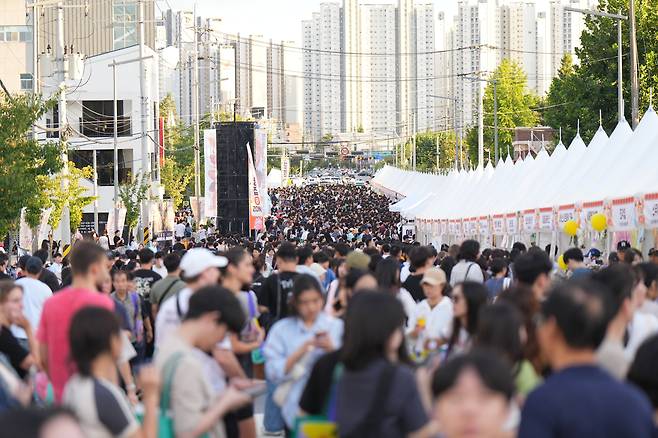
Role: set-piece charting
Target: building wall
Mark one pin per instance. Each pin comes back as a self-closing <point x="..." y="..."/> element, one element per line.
<point x="16" y="54"/>
<point x="405" y="62"/>
<point x="91" y="30"/>
<point x="352" y="37"/>
<point x="379" y="99"/>
<point x="425" y="36"/>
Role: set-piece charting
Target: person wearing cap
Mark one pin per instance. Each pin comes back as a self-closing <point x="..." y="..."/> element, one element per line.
<point x="199" y="268"/>
<point x="653" y="256"/>
<point x="35" y="294"/>
<point x="433" y="315"/>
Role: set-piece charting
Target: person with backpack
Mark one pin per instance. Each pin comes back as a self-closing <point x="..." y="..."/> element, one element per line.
<point x="467" y="268"/>
<point x="366" y="388"/>
<point x="499" y="280"/>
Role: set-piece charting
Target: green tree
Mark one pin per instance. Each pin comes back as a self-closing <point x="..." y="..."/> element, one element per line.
<point x="175" y="179"/>
<point x="55" y="197"/>
<point x="426" y="152"/>
<point x="515" y="108"/>
<point x="579" y="94"/>
<point x="23" y="160"/>
<point x="132" y="194"/>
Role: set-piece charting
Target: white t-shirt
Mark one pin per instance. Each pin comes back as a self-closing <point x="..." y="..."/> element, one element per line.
<point x="161" y="271"/>
<point x="404" y="272"/>
<point x="437" y="320"/>
<point x="35" y="293"/>
<point x="466" y="271"/>
<point x="104" y="242"/>
<point x="179" y="230"/>
<point x="641" y="327"/>
<point x="408" y="302"/>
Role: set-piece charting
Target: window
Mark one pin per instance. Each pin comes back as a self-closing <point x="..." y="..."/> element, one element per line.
<point x="124" y="23"/>
<point x="98" y="119"/>
<point x="26" y="81"/>
<point x="15" y="33"/>
<point x="104" y="164"/>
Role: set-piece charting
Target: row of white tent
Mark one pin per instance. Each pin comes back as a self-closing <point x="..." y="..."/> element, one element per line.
<point x="615" y="175"/>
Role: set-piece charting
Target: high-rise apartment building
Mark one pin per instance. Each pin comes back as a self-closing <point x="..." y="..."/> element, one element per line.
<point x="352" y="59"/>
<point x="323" y="88"/>
<point x="425" y="82"/>
<point x="405" y="62"/>
<point x="378" y="69"/>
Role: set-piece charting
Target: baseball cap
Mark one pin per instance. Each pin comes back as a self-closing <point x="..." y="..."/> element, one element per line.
<point x="317" y="269"/>
<point x="653" y="252"/>
<point x="357" y="260"/>
<point x="434" y="277"/>
<point x="197" y="260"/>
<point x="593" y="252"/>
<point x="33" y="265"/>
<point x="623" y="244"/>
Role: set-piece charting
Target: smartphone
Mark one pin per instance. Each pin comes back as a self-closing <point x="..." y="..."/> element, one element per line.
<point x="320" y="335"/>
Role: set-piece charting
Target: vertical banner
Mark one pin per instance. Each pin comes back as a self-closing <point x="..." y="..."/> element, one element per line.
<point x="260" y="165"/>
<point x="210" y="172"/>
<point x="529" y="221"/>
<point x="484" y="225"/>
<point x="623" y="214"/>
<point x="512" y="223"/>
<point x="285" y="170"/>
<point x="161" y="140"/>
<point x="650" y="210"/>
<point x="546" y="219"/>
<point x="256" y="221"/>
<point x="590" y="209"/>
<point x="444" y="227"/>
<point x="498" y="224"/>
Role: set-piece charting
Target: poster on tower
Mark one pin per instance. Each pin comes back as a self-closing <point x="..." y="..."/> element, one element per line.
<point x="256" y="220"/>
<point x="260" y="164"/>
<point x="210" y="172"/>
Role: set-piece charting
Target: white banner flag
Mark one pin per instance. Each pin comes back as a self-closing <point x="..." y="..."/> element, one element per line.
<point x="210" y="172"/>
<point x="651" y="211"/>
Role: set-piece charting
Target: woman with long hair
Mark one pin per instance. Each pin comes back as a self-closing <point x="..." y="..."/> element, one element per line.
<point x="296" y="342"/>
<point x="377" y="390"/>
<point x="468" y="298"/>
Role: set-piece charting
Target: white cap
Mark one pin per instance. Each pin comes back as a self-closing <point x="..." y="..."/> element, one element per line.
<point x="197" y="260"/>
<point x="317" y="269"/>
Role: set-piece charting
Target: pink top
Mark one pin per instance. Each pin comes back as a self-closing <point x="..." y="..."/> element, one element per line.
<point x="53" y="331"/>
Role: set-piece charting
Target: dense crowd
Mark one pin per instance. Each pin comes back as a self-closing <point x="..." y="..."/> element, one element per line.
<point x="342" y="328"/>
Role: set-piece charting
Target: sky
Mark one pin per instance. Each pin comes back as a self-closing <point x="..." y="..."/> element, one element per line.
<point x="279" y="20"/>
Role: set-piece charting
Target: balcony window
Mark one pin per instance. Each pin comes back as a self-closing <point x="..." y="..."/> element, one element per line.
<point x="98" y="119"/>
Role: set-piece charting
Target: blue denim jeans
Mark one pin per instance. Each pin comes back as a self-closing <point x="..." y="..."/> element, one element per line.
<point x="272" y="419"/>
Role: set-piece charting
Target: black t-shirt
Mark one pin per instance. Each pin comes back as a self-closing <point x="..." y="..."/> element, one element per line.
<point x="144" y="279"/>
<point x="275" y="294"/>
<point x="10" y="347"/>
<point x="4" y="276"/>
<point x="412" y="284"/>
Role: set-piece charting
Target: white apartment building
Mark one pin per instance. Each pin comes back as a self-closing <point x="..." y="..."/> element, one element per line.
<point x="565" y="29"/>
<point x="406" y="66"/>
<point x="292" y="83"/>
<point x="352" y="59"/>
<point x="425" y="84"/>
<point x="378" y="68"/>
<point x="322" y="60"/>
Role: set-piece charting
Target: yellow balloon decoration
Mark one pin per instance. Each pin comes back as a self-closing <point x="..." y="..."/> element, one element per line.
<point x="571" y="227"/>
<point x="599" y="222"/>
<point x="560" y="262"/>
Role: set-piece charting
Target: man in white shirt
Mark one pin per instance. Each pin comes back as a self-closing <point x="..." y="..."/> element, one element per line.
<point x="179" y="229"/>
<point x="433" y="315"/>
<point x="35" y="293"/>
<point x="56" y="266"/>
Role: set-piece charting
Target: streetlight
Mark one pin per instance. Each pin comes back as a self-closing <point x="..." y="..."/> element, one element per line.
<point x="481" y="121"/>
<point x="619" y="18"/>
<point x="454" y="122"/>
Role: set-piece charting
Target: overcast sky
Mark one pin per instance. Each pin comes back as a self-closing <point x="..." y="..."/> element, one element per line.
<point x="276" y="19"/>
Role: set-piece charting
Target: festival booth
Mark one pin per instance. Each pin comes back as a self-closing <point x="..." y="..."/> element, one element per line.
<point x="594" y="195"/>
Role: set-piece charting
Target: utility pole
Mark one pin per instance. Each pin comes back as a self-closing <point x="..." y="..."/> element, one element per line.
<point x="495" y="90"/>
<point x="635" y="89"/>
<point x="620" y="89"/>
<point x="413" y="121"/>
<point x="116" y="147"/>
<point x="195" y="110"/>
<point x="95" y="194"/>
<point x="480" y="125"/>
<point x="146" y="162"/>
<point x="65" y="223"/>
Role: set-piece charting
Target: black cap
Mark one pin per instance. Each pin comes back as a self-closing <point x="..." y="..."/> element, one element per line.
<point x="623" y="245"/>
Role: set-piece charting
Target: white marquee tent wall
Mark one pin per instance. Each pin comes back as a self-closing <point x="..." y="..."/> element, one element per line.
<point x="532" y="198"/>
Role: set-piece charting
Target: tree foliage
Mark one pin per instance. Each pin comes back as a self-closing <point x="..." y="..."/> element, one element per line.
<point x="175" y="179"/>
<point x="23" y="160"/>
<point x="56" y="197"/>
<point x="515" y="108"/>
<point x="580" y="92"/>
<point x="132" y="195"/>
<point x="426" y="152"/>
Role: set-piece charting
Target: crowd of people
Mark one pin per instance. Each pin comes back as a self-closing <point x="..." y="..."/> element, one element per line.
<point x="342" y="328"/>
